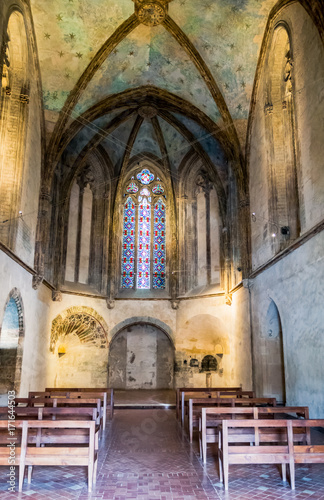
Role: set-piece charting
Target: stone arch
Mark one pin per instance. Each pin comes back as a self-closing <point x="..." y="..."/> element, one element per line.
<point x="11" y="349"/>
<point x="141" y="319"/>
<point x="141" y="355"/>
<point x="79" y="345"/>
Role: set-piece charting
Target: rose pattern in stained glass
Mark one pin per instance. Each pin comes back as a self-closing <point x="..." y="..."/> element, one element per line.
<point x="144" y="245"/>
<point x="159" y="245"/>
<point x="158" y="189"/>
<point x="128" y="258"/>
<point x="132" y="188"/>
<point x="145" y="177"/>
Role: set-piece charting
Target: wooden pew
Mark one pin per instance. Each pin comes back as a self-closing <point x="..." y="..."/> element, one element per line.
<point x="102" y="395"/>
<point x="198" y="389"/>
<point x="211" y="418"/>
<point x="62" y="402"/>
<point x="61" y="413"/>
<point x="109" y="390"/>
<point x="186" y="395"/>
<point x="55" y="453"/>
<point x="277" y="447"/>
<point x="10" y="455"/>
<point x="194" y="407"/>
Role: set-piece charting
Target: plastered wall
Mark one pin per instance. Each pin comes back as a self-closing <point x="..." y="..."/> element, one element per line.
<point x="295" y="284"/>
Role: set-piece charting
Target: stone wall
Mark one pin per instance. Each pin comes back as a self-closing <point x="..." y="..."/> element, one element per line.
<point x="294" y="281"/>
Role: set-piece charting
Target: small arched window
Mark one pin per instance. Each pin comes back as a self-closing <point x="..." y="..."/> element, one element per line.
<point x="144" y="227"/>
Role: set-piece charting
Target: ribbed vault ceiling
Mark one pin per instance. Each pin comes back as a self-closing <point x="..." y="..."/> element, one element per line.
<point x="203" y="54"/>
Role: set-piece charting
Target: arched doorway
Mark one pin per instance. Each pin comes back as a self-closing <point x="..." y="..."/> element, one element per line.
<point x="273" y="349"/>
<point x="141" y="356"/>
<point x="11" y="348"/>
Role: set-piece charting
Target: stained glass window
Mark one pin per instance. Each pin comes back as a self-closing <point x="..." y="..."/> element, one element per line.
<point x="158" y="189"/>
<point x="145" y="177"/>
<point x="132" y="188"/>
<point x="144" y="246"/>
<point x="128" y="261"/>
<point x="144" y="250"/>
<point x="159" y="245"/>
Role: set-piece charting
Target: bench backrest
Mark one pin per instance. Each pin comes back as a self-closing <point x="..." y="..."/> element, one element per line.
<point x="41" y="412"/>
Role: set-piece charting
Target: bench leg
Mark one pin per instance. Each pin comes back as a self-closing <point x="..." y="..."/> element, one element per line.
<point x="220" y="468"/>
<point x="21" y="476"/>
<point x="225" y="472"/>
<point x="292" y="474"/>
<point x="283" y="472"/>
<point x="91" y="468"/>
<point x="95" y="471"/>
<point x="29" y="473"/>
<point x="204" y="449"/>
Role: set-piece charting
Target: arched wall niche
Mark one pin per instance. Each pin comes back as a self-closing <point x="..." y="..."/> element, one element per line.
<point x="141" y="355"/>
<point x="83" y="227"/>
<point x="272" y="354"/>
<point x="200" y="229"/>
<point x="79" y="344"/>
<point x="12" y="343"/>
<point x="286" y="102"/>
<point x="13" y="124"/>
<point x="281" y="136"/>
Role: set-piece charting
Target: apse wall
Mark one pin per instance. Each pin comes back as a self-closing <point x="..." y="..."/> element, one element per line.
<point x="196" y="329"/>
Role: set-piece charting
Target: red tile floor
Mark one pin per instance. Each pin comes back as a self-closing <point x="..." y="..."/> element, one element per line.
<point x="145" y="455"/>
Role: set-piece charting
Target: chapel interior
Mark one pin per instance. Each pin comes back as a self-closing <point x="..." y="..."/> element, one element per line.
<point x="162" y="196"/>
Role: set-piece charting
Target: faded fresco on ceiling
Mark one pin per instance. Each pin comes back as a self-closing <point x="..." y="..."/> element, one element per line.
<point x="146" y="141"/>
<point x="227" y="33"/>
<point x="176" y="145"/>
<point x="116" y="143"/>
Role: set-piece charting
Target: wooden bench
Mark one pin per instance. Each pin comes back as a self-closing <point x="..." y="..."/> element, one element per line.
<point x="62" y="402"/>
<point x="186" y="395"/>
<point x="108" y="390"/>
<point x="211" y="418"/>
<point x="58" y="450"/>
<point x="102" y="395"/>
<point x="42" y="442"/>
<point x="61" y="413"/>
<point x="194" y="407"/>
<point x="198" y="389"/>
<point x="278" y="446"/>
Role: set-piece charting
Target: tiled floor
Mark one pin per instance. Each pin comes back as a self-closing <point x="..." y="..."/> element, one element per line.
<point x="144" y="455"/>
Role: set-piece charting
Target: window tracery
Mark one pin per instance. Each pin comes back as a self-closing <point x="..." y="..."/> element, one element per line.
<point x="144" y="228"/>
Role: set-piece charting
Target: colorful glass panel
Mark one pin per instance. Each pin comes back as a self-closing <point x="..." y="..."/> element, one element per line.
<point x="132" y="188"/>
<point x="159" y="245"/>
<point x="144" y="245"/>
<point x="145" y="192"/>
<point x="158" y="189"/>
<point x="128" y="259"/>
<point x="145" y="177"/>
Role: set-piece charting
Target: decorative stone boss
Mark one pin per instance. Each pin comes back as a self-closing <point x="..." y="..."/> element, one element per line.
<point x="151" y="13"/>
